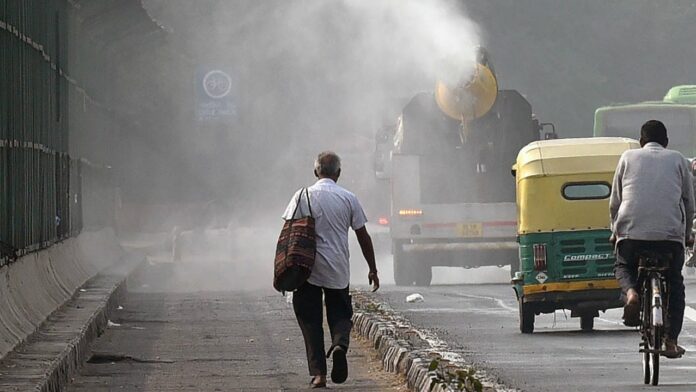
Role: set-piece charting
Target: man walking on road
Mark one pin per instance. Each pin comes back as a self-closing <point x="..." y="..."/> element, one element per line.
<point x="335" y="210"/>
<point x="652" y="207"/>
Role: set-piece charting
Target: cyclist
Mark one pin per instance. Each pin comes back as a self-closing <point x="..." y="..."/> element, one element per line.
<point x="691" y="262"/>
<point x="652" y="207"/>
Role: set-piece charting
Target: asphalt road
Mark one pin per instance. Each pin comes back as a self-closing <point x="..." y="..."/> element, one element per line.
<point x="481" y="323"/>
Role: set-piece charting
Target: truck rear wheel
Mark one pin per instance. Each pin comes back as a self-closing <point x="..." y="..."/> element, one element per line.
<point x="408" y="270"/>
<point x="526" y="317"/>
<point x="424" y="275"/>
<point x="402" y="272"/>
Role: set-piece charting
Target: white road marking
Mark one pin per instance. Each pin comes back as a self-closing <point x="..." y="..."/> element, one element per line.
<point x="497" y="300"/>
<point x="456" y="310"/>
<point x="689" y="312"/>
<point x="613" y="322"/>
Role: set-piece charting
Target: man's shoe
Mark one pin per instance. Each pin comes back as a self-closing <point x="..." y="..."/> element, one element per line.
<point x="672" y="349"/>
<point x="318" y="382"/>
<point x="339" y="371"/>
<point x="691" y="262"/>
<point x="631" y="315"/>
<point x="681" y="350"/>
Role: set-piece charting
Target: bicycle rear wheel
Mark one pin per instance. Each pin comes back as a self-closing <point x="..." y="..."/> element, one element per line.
<point x="655" y="327"/>
<point x="655" y="356"/>
<point x="644" y="332"/>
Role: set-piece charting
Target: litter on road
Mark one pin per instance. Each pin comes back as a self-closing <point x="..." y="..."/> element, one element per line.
<point x="415" y="297"/>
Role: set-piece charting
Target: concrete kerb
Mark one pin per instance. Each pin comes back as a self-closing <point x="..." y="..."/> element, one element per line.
<point x="71" y="336"/>
<point x="76" y="352"/>
<point x="408" y="351"/>
<point x="33" y="291"/>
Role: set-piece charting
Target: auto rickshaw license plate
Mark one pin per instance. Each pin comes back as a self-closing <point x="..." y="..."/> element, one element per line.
<point x="470" y="229"/>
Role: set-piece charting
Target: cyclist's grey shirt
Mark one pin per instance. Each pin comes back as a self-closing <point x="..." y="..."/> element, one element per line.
<point x="652" y="197"/>
<point x="335" y="210"/>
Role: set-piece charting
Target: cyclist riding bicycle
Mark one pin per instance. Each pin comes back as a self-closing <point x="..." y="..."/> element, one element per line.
<point x="652" y="207"/>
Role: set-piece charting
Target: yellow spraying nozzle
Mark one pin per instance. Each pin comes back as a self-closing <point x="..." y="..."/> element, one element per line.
<point x="470" y="100"/>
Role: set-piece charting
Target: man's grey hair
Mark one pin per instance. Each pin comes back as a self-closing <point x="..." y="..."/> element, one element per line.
<point x="328" y="164"/>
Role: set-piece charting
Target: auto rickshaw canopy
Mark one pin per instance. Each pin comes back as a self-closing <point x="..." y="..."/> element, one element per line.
<point x="564" y="184"/>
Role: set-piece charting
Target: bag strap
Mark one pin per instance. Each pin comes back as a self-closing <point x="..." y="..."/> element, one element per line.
<point x="297" y="204"/>
<point x="299" y="199"/>
<point x="309" y="203"/>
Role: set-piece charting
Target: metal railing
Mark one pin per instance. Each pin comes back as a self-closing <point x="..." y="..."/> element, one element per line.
<point x="39" y="181"/>
<point x="48" y="111"/>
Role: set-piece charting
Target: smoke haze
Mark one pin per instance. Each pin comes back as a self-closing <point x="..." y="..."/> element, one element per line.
<point x="316" y="75"/>
<point x="312" y="75"/>
<point x="309" y="75"/>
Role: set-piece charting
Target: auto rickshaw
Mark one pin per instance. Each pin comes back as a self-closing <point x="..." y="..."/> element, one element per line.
<point x="566" y="259"/>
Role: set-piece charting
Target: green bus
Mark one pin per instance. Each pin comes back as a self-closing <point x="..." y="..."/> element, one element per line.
<point x="677" y="111"/>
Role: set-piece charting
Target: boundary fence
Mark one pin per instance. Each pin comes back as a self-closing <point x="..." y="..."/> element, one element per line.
<point x="40" y="184"/>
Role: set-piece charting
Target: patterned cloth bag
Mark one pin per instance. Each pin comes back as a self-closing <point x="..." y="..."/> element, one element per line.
<point x="296" y="250"/>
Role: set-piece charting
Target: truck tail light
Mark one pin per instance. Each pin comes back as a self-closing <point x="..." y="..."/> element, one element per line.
<point x="411" y="212"/>
<point x="539" y="257"/>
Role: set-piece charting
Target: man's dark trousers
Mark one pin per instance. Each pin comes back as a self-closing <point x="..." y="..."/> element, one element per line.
<point x="626" y="271"/>
<point x="307" y="302"/>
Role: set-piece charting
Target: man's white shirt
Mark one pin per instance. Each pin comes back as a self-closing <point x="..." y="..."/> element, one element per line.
<point x="335" y="211"/>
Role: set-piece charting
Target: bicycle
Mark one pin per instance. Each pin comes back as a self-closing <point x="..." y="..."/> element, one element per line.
<point x="654" y="289"/>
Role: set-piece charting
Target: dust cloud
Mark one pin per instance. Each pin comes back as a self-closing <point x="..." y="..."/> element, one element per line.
<point x="308" y="75"/>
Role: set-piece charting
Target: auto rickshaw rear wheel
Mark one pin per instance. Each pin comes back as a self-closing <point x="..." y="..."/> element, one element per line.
<point x="526" y="316"/>
<point x="587" y="323"/>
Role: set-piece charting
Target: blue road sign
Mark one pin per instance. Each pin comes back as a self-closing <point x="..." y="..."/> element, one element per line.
<point x="216" y="94"/>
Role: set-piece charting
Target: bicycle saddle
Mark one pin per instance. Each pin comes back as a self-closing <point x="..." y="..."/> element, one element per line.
<point x="654" y="258"/>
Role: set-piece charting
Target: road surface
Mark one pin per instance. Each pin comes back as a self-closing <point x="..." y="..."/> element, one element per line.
<point x="481" y="323"/>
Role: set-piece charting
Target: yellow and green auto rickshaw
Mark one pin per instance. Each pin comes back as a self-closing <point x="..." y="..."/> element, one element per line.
<point x="566" y="259"/>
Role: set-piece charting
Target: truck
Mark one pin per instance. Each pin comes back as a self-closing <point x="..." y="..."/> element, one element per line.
<point x="677" y="110"/>
<point x="452" y="200"/>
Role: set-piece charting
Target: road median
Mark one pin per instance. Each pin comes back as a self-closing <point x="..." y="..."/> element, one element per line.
<point x="419" y="355"/>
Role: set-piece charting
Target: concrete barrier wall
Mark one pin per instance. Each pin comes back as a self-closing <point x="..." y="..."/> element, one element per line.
<point x="37" y="284"/>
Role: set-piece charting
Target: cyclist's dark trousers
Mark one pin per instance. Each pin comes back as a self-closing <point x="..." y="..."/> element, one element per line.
<point x="626" y="271"/>
<point x="307" y="302"/>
